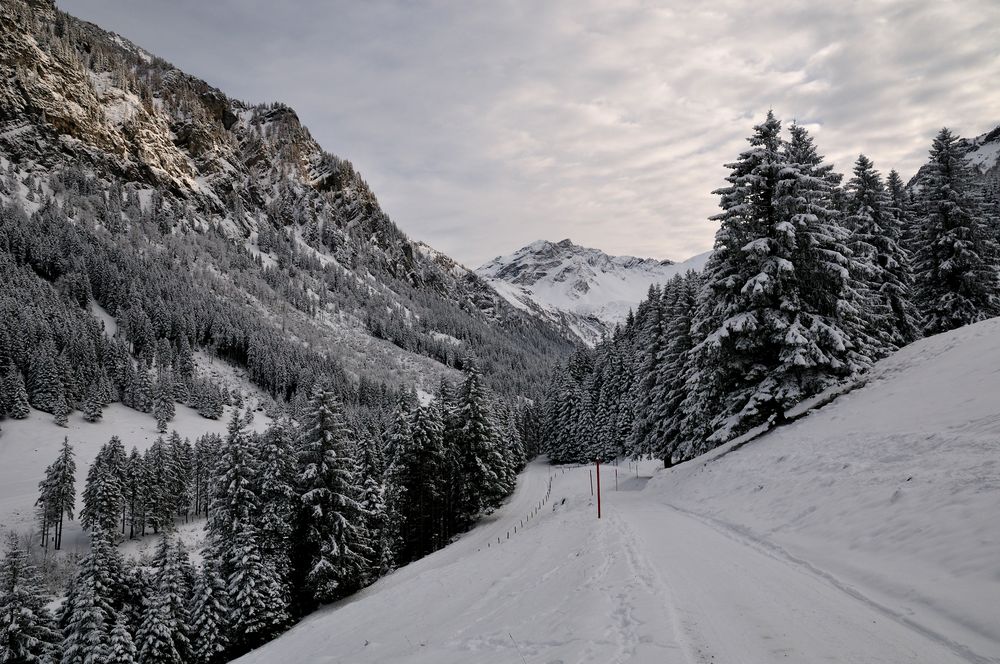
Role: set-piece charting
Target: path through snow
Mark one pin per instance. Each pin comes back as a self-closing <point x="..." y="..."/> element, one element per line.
<point x="647" y="583"/>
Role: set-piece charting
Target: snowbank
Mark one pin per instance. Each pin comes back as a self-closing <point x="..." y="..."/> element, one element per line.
<point x="893" y="490"/>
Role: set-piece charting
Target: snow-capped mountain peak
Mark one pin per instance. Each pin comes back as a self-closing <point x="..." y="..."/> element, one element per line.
<point x="584" y="290"/>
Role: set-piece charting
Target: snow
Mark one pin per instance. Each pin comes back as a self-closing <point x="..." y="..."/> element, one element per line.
<point x="446" y="338"/>
<point x="866" y="531"/>
<point x="28" y="446"/>
<point x="101" y="314"/>
<point x="984" y="156"/>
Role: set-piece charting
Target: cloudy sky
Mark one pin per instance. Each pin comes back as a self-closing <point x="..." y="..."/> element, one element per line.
<point x="485" y="125"/>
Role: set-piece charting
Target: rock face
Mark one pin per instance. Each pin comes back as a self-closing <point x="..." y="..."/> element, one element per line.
<point x="584" y="291"/>
<point x="75" y="98"/>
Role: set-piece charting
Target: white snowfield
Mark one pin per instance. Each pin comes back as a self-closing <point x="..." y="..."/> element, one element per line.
<point x="866" y="532"/>
<point x="28" y="446"/>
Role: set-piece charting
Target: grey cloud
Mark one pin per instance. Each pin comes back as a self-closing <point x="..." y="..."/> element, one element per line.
<point x="485" y="125"/>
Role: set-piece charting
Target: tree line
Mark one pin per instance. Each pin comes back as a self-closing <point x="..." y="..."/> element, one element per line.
<point x="811" y="281"/>
<point x="302" y="514"/>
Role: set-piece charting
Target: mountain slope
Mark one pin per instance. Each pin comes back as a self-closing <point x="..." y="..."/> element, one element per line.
<point x="866" y="531"/>
<point x="584" y="291"/>
<point x="134" y="153"/>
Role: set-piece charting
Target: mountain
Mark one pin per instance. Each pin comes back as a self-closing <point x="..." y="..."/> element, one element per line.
<point x="584" y="291"/>
<point x="136" y="188"/>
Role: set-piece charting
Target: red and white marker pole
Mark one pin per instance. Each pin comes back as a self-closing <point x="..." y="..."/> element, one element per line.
<point x="598" y="463"/>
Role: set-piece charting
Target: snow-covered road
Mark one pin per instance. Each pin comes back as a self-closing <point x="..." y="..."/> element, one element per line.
<point x="647" y="583"/>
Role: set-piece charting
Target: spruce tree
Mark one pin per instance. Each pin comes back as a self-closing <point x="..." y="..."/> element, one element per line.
<point x="27" y="630"/>
<point x="163" y="402"/>
<point x="103" y="494"/>
<point x="91" y="607"/>
<point x="93" y="405"/>
<point x="378" y="522"/>
<point x="134" y="490"/>
<point x="19" y="407"/>
<point x="876" y="242"/>
<point x="121" y="647"/>
<point x="233" y="498"/>
<point x="480" y="457"/>
<point x="776" y="316"/>
<point x="956" y="255"/>
<point x="208" y="616"/>
<point x="331" y="520"/>
<point x="45" y="388"/>
<point x="276" y="479"/>
<point x="258" y="604"/>
<point x="57" y="497"/>
<point x="163" y="635"/>
<point x="417" y="474"/>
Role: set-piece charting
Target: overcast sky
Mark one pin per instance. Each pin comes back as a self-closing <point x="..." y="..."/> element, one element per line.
<point x="483" y="126"/>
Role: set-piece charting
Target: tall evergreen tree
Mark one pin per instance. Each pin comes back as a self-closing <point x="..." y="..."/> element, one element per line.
<point x="480" y="459"/>
<point x="276" y="492"/>
<point x="121" y="646"/>
<point x="875" y="240"/>
<point x="18" y="406"/>
<point x="91" y="607"/>
<point x="208" y="616"/>
<point x="331" y="524"/>
<point x="774" y="317"/>
<point x="956" y="256"/>
<point x="258" y="604"/>
<point x="163" y="635"/>
<point x="27" y="631"/>
<point x="57" y="497"/>
<point x="103" y="494"/>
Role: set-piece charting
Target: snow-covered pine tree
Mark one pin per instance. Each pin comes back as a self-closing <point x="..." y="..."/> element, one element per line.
<point x="27" y="630"/>
<point x="330" y="533"/>
<point x="275" y="454"/>
<point x="479" y="455"/>
<point x="771" y="316"/>
<point x="675" y="366"/>
<point x="103" y="494"/>
<point x="208" y="616"/>
<point x="258" y="603"/>
<point x="202" y="468"/>
<point x="233" y="491"/>
<point x="91" y="606"/>
<point x="876" y="244"/>
<point x="374" y="502"/>
<point x="956" y="255"/>
<point x="143" y="394"/>
<point x="163" y="401"/>
<point x="93" y="405"/>
<point x="134" y="491"/>
<point x="163" y="635"/>
<point x="57" y="495"/>
<point x="19" y="407"/>
<point x="121" y="646"/>
<point x="160" y="479"/>
<point x="648" y="391"/>
<point x="417" y="472"/>
<point x="45" y="388"/>
<point x="60" y="411"/>
<point x="155" y="638"/>
<point x="179" y="455"/>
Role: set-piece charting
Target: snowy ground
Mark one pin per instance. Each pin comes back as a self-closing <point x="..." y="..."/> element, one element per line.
<point x="28" y="446"/>
<point x="865" y="532"/>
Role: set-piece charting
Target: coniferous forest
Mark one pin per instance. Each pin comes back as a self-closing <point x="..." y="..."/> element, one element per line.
<point x="813" y="278"/>
<point x="402" y="395"/>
